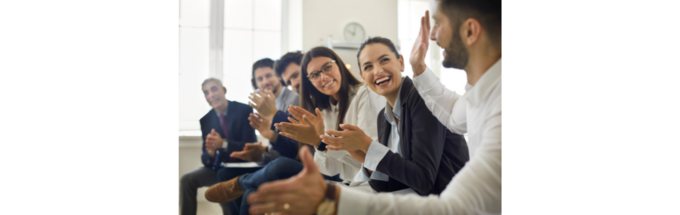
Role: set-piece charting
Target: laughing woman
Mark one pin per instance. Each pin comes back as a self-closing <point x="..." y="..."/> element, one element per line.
<point x="414" y="151"/>
<point x="329" y="89"/>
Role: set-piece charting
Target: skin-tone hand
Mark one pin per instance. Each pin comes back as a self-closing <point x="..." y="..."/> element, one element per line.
<point x="251" y="152"/>
<point x="304" y="131"/>
<point x="317" y="119"/>
<point x="352" y="139"/>
<point x="263" y="125"/>
<point x="264" y="103"/>
<point x="420" y="46"/>
<point x="213" y="141"/>
<point x="302" y="192"/>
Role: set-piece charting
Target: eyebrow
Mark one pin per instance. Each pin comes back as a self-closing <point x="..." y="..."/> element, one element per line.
<point x="382" y="56"/>
<point x="322" y="66"/>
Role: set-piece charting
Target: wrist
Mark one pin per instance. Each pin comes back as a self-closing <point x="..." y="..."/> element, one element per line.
<point x="418" y="69"/>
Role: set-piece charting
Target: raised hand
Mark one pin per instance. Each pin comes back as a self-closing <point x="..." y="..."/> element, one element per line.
<point x="262" y="125"/>
<point x="421" y="45"/>
<point x="251" y="152"/>
<point x="300" y="194"/>
<point x="264" y="103"/>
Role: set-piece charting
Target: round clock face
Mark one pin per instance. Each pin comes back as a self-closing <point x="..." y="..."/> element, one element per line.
<point x="354" y="32"/>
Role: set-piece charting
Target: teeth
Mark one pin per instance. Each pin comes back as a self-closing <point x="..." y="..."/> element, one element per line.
<point x="379" y="81"/>
<point x="329" y="83"/>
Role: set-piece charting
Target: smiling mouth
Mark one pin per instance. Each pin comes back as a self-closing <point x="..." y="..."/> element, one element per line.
<point x="329" y="83"/>
<point x="382" y="81"/>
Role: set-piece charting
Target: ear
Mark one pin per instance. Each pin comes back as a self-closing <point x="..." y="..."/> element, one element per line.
<point x="225" y="90"/>
<point x="401" y="62"/>
<point x="470" y="31"/>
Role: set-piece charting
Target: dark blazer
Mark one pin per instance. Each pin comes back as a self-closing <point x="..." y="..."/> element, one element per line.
<point x="240" y="132"/>
<point x="432" y="153"/>
<point x="285" y="146"/>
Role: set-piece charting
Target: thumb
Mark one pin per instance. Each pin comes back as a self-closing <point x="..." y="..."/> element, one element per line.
<point x="308" y="161"/>
<point x="212" y="131"/>
<point x="318" y="114"/>
<point x="259" y="143"/>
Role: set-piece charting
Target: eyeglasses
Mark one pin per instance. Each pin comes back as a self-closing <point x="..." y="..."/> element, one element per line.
<point x="326" y="69"/>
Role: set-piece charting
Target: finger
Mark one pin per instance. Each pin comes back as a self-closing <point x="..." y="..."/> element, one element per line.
<point x="239" y="155"/>
<point x="252" y="105"/>
<point x="350" y="127"/>
<point x="335" y="148"/>
<point x="427" y="19"/>
<point x="261" y="94"/>
<point x="288" y="135"/>
<point x="293" y="120"/>
<point x="335" y="133"/>
<point x="334" y="141"/>
<point x="309" y="122"/>
<point x="262" y="208"/>
<point x="212" y="131"/>
<point x="310" y="166"/>
<point x="259" y="143"/>
<point x="318" y="114"/>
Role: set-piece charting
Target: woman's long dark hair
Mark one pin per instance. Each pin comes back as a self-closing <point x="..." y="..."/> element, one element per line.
<point x="311" y="98"/>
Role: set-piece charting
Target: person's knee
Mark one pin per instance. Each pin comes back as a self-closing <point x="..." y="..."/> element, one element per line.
<point x="185" y="180"/>
<point x="283" y="168"/>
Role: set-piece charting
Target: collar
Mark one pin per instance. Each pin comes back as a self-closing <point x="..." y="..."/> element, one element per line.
<point x="282" y="95"/>
<point x="395" y="112"/>
<point x="485" y="84"/>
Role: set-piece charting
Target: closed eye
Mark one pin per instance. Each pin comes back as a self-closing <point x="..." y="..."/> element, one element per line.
<point x="367" y="67"/>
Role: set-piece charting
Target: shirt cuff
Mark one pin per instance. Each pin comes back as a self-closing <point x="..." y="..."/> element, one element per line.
<point x="225" y="145"/>
<point x="376" y="152"/>
<point x="362" y="175"/>
<point x="426" y="80"/>
<point x="354" y="201"/>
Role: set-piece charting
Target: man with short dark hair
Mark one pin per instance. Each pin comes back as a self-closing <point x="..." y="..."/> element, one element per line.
<point x="469" y="31"/>
<point x="288" y="68"/>
<point x="225" y="131"/>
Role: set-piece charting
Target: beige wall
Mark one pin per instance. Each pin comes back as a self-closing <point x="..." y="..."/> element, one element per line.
<point x="321" y="18"/>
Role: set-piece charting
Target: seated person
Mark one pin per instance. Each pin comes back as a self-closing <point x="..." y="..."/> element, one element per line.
<point x="344" y="99"/>
<point x="223" y="133"/>
<point x="414" y="152"/>
<point x="470" y="34"/>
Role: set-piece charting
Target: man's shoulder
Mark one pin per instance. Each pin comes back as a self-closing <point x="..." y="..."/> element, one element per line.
<point x="239" y="106"/>
<point x="208" y="115"/>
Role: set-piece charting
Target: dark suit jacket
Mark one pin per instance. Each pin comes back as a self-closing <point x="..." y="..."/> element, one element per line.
<point x="240" y="132"/>
<point x="285" y="146"/>
<point x="432" y="153"/>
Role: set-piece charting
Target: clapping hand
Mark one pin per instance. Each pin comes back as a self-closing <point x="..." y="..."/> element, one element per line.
<point x="264" y="103"/>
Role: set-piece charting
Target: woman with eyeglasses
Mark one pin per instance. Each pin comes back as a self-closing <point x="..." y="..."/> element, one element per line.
<point x="336" y="97"/>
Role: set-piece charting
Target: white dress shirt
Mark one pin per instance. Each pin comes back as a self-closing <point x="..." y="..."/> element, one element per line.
<point x="362" y="112"/>
<point x="476" y="189"/>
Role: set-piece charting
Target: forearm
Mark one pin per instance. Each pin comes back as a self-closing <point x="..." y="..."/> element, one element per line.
<point x="441" y="101"/>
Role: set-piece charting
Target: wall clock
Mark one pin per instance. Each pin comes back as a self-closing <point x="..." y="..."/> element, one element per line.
<point x="354" y="32"/>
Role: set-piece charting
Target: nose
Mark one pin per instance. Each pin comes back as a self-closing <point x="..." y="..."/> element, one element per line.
<point x="433" y="34"/>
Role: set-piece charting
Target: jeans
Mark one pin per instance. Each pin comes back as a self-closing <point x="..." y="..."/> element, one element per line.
<point x="226" y="174"/>
<point x="280" y="168"/>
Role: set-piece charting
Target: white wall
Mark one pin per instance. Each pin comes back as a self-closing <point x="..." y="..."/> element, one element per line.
<point x="321" y="18"/>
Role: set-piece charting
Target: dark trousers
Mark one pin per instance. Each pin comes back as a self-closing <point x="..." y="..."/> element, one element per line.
<point x="226" y="174"/>
<point x="188" y="187"/>
<point x="280" y="168"/>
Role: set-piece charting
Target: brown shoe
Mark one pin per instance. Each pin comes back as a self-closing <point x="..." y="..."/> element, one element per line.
<point x="226" y="191"/>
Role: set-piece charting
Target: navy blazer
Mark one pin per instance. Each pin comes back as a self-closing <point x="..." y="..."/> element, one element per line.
<point x="240" y="133"/>
<point x="285" y="146"/>
<point x="432" y="153"/>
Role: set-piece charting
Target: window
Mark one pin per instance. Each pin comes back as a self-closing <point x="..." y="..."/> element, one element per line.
<point x="251" y="30"/>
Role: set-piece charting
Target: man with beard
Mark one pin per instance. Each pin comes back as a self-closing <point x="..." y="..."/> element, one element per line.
<point x="470" y="33"/>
